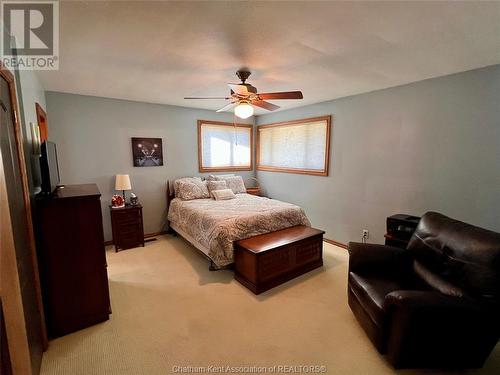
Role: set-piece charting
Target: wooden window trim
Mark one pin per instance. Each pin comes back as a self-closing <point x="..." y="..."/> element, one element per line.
<point x="311" y="172"/>
<point x="203" y="169"/>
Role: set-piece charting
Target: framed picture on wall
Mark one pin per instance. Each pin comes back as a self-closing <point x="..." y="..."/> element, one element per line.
<point x="147" y="152"/>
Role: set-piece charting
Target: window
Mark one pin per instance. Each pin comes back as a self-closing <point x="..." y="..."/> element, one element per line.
<point x="223" y="146"/>
<point x="301" y="146"/>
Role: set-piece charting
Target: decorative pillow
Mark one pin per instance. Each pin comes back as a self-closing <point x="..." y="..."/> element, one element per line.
<point x="224" y="194"/>
<point x="191" y="189"/>
<point x="177" y="182"/>
<point x="235" y="183"/>
<point x="212" y="177"/>
<point x="216" y="185"/>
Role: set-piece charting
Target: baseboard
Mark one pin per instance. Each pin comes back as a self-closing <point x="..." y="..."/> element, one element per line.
<point x="146" y="235"/>
<point x="154" y="234"/>
<point x="336" y="243"/>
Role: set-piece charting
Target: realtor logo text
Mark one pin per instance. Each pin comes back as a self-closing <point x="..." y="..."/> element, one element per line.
<point x="30" y="37"/>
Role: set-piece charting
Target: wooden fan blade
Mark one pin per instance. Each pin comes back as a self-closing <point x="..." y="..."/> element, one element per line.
<point x="207" y="97"/>
<point x="227" y="107"/>
<point x="265" y="105"/>
<point x="281" y="95"/>
<point x="238" y="89"/>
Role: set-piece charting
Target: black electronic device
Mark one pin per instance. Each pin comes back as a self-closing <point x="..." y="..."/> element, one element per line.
<point x="49" y="167"/>
<point x="400" y="228"/>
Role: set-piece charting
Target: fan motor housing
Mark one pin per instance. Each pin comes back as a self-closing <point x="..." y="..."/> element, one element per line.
<point x="243" y="75"/>
<point x="250" y="88"/>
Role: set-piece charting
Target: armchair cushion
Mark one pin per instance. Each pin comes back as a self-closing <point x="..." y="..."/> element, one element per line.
<point x="371" y="292"/>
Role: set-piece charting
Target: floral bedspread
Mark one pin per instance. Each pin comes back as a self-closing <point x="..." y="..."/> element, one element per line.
<point x="217" y="224"/>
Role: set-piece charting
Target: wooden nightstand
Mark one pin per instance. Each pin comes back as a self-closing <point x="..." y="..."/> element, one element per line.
<point x="254" y="191"/>
<point x="128" y="229"/>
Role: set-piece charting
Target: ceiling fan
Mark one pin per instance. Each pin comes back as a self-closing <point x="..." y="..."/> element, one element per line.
<point x="243" y="96"/>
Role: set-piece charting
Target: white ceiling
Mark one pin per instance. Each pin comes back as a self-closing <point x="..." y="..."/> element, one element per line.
<point x="159" y="52"/>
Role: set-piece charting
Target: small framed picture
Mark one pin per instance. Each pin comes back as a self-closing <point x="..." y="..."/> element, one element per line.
<point x="147" y="152"/>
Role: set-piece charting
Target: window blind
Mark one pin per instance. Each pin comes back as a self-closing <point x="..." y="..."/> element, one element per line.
<point x="223" y="146"/>
<point x="300" y="146"/>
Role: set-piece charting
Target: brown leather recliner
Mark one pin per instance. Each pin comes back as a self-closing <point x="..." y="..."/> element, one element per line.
<point x="436" y="303"/>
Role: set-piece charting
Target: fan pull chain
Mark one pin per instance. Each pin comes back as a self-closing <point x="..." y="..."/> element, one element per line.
<point x="235" y="129"/>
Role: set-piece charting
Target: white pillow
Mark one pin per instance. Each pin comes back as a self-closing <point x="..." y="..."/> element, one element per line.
<point x="235" y="183"/>
<point x="224" y="194"/>
<point x="216" y="185"/>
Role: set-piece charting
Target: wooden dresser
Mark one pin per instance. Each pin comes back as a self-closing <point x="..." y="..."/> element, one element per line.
<point x="128" y="229"/>
<point x="72" y="259"/>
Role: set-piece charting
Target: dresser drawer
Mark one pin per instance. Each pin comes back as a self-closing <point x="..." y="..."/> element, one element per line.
<point x="127" y="240"/>
<point x="125" y="216"/>
<point x="128" y="231"/>
<point x="125" y="224"/>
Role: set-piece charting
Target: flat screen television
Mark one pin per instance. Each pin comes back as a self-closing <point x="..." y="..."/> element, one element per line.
<point x="49" y="167"/>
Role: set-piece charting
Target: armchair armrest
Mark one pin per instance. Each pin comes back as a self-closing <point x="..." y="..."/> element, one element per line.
<point x="380" y="258"/>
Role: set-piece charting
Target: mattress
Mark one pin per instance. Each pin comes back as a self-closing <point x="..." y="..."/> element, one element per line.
<point x="215" y="225"/>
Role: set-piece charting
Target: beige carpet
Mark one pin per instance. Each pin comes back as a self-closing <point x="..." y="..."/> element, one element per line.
<point x="170" y="310"/>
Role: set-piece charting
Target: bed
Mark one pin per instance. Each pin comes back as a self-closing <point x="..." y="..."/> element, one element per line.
<point x="212" y="226"/>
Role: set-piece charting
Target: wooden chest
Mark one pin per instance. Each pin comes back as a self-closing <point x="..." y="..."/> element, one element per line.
<point x="128" y="229"/>
<point x="265" y="261"/>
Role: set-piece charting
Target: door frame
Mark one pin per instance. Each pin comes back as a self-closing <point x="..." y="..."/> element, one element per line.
<point x="9" y="280"/>
<point x="41" y="117"/>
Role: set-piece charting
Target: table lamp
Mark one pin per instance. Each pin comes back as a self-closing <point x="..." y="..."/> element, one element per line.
<point x="122" y="183"/>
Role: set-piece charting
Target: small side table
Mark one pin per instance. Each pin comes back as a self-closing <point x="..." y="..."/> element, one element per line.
<point x="254" y="191"/>
<point x="128" y="229"/>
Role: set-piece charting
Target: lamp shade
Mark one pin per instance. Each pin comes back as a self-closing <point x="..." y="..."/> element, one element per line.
<point x="122" y="182"/>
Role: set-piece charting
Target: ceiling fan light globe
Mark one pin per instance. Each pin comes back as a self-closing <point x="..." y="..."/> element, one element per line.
<point x="243" y="110"/>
